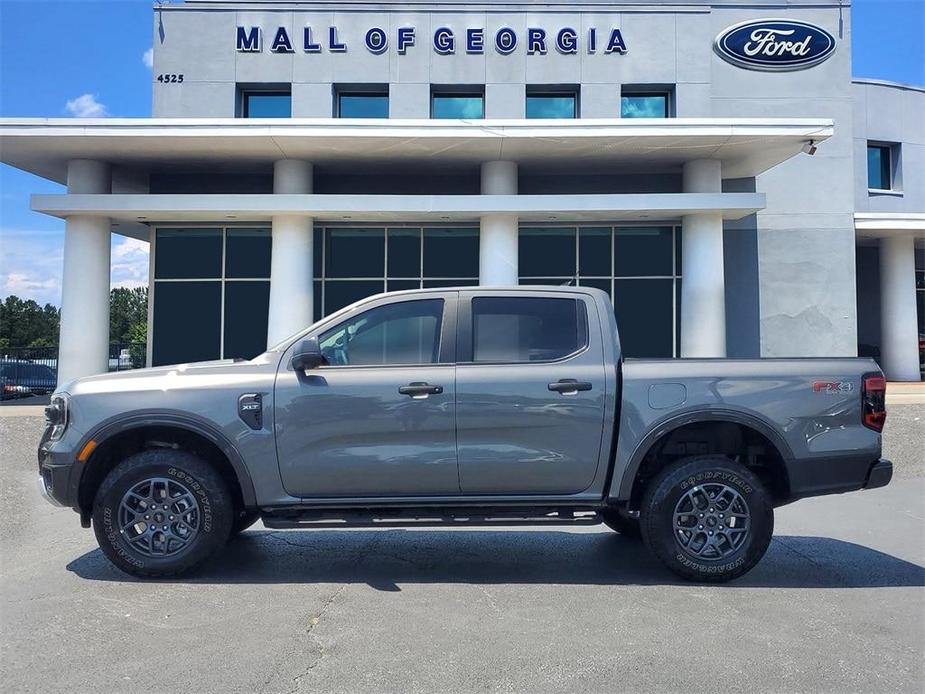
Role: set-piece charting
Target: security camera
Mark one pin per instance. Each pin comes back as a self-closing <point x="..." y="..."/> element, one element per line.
<point x="809" y="148"/>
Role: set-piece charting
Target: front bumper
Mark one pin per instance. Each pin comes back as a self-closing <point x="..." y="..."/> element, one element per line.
<point x="44" y="491"/>
<point x="58" y="472"/>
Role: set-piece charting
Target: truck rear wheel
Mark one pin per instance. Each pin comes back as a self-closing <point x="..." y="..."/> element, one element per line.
<point x="707" y="518"/>
<point x="161" y="512"/>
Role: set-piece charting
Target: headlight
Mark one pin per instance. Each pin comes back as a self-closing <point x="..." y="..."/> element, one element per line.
<point x="56" y="416"/>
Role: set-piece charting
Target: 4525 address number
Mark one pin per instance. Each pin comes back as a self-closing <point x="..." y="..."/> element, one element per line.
<point x="170" y="78"/>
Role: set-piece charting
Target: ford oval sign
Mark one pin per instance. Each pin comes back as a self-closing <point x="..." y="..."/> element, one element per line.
<point x="774" y="44"/>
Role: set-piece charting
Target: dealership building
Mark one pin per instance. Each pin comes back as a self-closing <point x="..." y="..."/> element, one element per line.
<point x="711" y="164"/>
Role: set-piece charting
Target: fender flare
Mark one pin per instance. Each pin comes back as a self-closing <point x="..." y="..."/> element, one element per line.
<point x="666" y="426"/>
<point x="176" y="420"/>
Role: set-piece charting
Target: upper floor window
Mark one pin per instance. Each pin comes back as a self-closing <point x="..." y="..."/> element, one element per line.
<point x="648" y="103"/>
<point x="363" y="102"/>
<point x="467" y="102"/>
<point x="880" y="167"/>
<point x="266" y="103"/>
<point x="552" y="103"/>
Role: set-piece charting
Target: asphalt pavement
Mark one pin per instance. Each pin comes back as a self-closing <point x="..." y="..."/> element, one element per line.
<point x="837" y="605"/>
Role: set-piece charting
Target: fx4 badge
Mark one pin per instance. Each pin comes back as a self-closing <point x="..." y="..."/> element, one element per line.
<point x="836" y="387"/>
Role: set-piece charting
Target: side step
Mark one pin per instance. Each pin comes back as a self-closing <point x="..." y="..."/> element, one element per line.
<point x="424" y="518"/>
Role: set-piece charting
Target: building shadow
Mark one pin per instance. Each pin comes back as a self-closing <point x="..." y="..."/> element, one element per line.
<point x="385" y="559"/>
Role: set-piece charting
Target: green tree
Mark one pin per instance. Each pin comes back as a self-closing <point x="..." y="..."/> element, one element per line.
<point x="26" y="324"/>
<point x="128" y="314"/>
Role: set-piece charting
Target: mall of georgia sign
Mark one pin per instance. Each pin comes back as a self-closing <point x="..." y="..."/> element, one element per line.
<point x="774" y="45"/>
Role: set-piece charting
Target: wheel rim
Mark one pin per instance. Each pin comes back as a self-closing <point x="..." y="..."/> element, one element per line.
<point x="159" y="517"/>
<point x="711" y="521"/>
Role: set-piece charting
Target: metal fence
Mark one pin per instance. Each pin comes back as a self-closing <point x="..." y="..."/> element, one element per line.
<point x="34" y="370"/>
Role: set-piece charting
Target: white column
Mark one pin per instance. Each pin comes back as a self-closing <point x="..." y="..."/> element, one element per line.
<point x="498" y="234"/>
<point x="703" y="290"/>
<point x="899" y="349"/>
<point x="83" y="343"/>
<point x="291" y="263"/>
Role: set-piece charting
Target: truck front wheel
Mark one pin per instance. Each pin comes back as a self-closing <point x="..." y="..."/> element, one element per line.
<point x="161" y="512"/>
<point x="707" y="518"/>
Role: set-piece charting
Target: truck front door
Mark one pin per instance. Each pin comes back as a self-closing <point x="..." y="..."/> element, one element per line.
<point x="379" y="418"/>
<point x="530" y="393"/>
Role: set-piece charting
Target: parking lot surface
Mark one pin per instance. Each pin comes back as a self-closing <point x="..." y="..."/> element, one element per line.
<point x="837" y="604"/>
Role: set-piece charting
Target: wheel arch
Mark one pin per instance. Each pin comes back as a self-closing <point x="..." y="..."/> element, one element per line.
<point x="123" y="435"/>
<point x="750" y="427"/>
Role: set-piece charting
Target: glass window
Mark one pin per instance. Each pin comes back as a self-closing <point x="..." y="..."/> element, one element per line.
<point x="246" y="308"/>
<point x="594" y="252"/>
<point x="187" y="322"/>
<point x="369" y="105"/>
<point x="356" y="252"/>
<point x="450" y="105"/>
<point x="402" y="285"/>
<point x="640" y="105"/>
<point x="404" y="253"/>
<point x="552" y="105"/>
<point x="645" y="317"/>
<point x="643" y="251"/>
<point x="247" y="253"/>
<point x="525" y="329"/>
<point x="547" y="252"/>
<point x="402" y="333"/>
<point x="340" y="293"/>
<point x="188" y="253"/>
<point x="451" y="252"/>
<point x="879" y="167"/>
<point x="266" y="104"/>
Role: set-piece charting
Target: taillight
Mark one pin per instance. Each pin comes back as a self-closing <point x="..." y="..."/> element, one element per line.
<point x="873" y="398"/>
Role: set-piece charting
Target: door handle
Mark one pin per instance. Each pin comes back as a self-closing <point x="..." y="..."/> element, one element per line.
<point x="568" y="386"/>
<point x="420" y="390"/>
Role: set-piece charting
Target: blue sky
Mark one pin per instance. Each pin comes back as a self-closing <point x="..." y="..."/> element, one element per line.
<point x="90" y="61"/>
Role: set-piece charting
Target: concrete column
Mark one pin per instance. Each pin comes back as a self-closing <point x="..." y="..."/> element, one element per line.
<point x="83" y="343"/>
<point x="498" y="233"/>
<point x="291" y="292"/>
<point x="899" y="349"/>
<point x="703" y="300"/>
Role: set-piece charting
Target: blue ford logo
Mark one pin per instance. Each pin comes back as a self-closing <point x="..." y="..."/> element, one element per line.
<point x="774" y="44"/>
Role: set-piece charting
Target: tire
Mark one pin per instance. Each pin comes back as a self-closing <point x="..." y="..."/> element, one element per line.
<point x="243" y="520"/>
<point x="197" y="515"/>
<point x="613" y="519"/>
<point x="697" y="553"/>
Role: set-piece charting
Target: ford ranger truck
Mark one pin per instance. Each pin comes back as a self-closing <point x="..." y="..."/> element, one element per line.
<point x="464" y="407"/>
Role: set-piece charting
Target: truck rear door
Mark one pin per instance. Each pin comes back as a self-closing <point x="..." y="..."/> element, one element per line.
<point x="530" y="392"/>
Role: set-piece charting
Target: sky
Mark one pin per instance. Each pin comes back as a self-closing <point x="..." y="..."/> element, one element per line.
<point x="93" y="60"/>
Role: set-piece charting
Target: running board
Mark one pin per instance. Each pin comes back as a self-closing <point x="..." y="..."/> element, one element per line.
<point x="387" y="520"/>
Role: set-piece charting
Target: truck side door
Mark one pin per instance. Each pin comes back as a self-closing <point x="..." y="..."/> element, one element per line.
<point x="530" y="392"/>
<point x="379" y="419"/>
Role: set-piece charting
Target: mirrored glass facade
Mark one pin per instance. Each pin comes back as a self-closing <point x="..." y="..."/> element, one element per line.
<point x="223" y="274"/>
<point x="639" y="268"/>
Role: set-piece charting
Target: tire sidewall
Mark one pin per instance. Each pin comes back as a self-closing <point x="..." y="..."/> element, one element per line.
<point x="198" y="477"/>
<point x="662" y="498"/>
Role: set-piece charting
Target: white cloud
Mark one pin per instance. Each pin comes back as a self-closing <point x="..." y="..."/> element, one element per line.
<point x="32" y="260"/>
<point x="148" y="58"/>
<point x="16" y="283"/>
<point x="129" y="262"/>
<point x="30" y="265"/>
<point x="86" y="106"/>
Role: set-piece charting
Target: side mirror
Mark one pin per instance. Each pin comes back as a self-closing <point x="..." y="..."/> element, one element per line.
<point x="308" y="355"/>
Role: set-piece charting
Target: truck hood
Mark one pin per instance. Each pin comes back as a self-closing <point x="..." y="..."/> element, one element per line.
<point x="174" y="376"/>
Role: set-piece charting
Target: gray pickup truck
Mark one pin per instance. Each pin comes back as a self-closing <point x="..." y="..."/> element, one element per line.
<point x="461" y="407"/>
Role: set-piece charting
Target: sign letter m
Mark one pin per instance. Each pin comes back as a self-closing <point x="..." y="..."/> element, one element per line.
<point x="248" y="40"/>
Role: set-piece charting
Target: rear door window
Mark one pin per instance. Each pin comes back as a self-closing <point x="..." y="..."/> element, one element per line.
<point x="527" y="329"/>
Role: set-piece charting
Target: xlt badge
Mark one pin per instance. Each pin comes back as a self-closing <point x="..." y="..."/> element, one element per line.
<point x="250" y="410"/>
